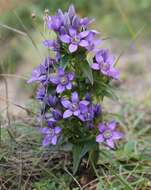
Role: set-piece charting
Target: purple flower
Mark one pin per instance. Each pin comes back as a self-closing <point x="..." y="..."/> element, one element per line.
<point x="75" y="39"/>
<point x="52" y="100"/>
<point x="62" y="80"/>
<point x="40" y="95"/>
<point x="85" y="22"/>
<point x="52" y="44"/>
<point x="72" y="20"/>
<point x="93" y="42"/>
<point x="104" y="63"/>
<point x="108" y="134"/>
<point x="53" y="116"/>
<point x="71" y="12"/>
<point x="40" y="73"/>
<point x="88" y="96"/>
<point x="89" y="114"/>
<point x="50" y="135"/>
<point x="74" y="107"/>
<point x="48" y="63"/>
<point x="97" y="110"/>
<point x="57" y="114"/>
<point x="61" y="22"/>
<point x="54" y="22"/>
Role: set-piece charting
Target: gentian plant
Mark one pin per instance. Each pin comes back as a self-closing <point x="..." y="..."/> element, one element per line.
<point x="72" y="85"/>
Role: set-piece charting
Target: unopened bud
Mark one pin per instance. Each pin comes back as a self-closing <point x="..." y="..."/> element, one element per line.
<point x="46" y="11"/>
<point x="33" y="15"/>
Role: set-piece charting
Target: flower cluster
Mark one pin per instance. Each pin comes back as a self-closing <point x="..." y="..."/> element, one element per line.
<point x="69" y="89"/>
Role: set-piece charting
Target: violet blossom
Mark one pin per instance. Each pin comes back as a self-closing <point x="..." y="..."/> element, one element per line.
<point x="54" y="46"/>
<point x="61" y="22"/>
<point x="53" y="116"/>
<point x="104" y="63"/>
<point x="62" y="80"/>
<point x="75" y="39"/>
<point x="50" y="135"/>
<point x="74" y="107"/>
<point x="52" y="100"/>
<point x="108" y="134"/>
<point x="40" y="95"/>
<point x="40" y="73"/>
<point x="89" y="114"/>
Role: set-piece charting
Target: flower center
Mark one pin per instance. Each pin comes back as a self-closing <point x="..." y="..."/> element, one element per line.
<point x="88" y="115"/>
<point x="51" y="132"/>
<point x="107" y="134"/>
<point x="74" y="106"/>
<point x="64" y="80"/>
<point x="75" y="39"/>
<point x="105" y="66"/>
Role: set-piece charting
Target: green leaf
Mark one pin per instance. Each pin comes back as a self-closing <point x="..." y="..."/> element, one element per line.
<point x="87" y="71"/>
<point x="90" y="58"/>
<point x="129" y="147"/>
<point x="64" y="62"/>
<point x="107" y="90"/>
<point x="79" y="151"/>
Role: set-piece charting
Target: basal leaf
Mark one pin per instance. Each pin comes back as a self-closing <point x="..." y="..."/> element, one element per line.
<point x="79" y="151"/>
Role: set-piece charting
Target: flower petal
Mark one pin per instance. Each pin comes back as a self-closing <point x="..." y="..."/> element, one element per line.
<point x="71" y="11"/>
<point x="67" y="114"/>
<point x="83" y="43"/>
<point x="65" y="38"/>
<point x="99" y="57"/>
<point x="57" y="130"/>
<point x="73" y="48"/>
<point x="84" y="102"/>
<point x="74" y="97"/>
<point x="66" y="103"/>
<point x="117" y="135"/>
<point x="102" y="127"/>
<point x="44" y="130"/>
<point x="60" y="88"/>
<point x="114" y="73"/>
<point x="83" y="108"/>
<point x="48" y="43"/>
<point x="54" y="79"/>
<point x="110" y="143"/>
<point x="99" y="138"/>
<point x="84" y="34"/>
<point x="69" y="86"/>
<point x="76" y="113"/>
<point x="72" y="32"/>
<point x="46" y="141"/>
<point x="95" y="66"/>
<point x="111" y="60"/>
<point x="54" y="140"/>
<point x="76" y="22"/>
<point x="60" y="71"/>
<point x="111" y="125"/>
<point x="81" y="117"/>
<point x="70" y="76"/>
